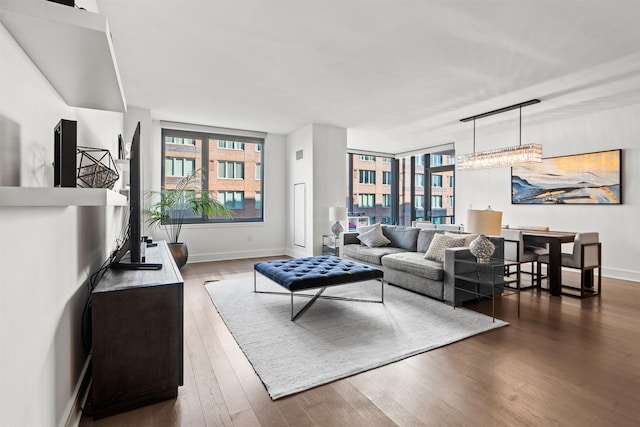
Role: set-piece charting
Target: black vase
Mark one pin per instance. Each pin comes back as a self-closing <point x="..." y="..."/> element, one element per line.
<point x="180" y="253"/>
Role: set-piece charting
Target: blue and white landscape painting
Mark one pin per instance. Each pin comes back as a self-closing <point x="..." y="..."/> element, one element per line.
<point x="592" y="178"/>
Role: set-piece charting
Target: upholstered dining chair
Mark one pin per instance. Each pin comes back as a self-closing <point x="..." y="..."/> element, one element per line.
<point x="516" y="250"/>
<point x="586" y="257"/>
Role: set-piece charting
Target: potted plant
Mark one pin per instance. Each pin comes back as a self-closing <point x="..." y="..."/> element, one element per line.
<point x="173" y="206"/>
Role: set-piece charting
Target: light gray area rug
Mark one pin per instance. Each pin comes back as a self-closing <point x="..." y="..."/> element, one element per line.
<point x="335" y="339"/>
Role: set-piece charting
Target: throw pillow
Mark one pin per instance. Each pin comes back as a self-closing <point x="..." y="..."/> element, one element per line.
<point x="362" y="230"/>
<point x="373" y="238"/>
<point x="441" y="242"/>
<point x="468" y="237"/>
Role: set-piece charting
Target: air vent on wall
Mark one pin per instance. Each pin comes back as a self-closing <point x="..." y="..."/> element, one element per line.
<point x="299" y="154"/>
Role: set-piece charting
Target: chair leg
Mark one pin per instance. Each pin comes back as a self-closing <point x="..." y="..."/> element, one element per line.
<point x="539" y="275"/>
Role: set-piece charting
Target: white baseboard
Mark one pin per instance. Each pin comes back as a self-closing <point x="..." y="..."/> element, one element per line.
<point x="73" y="412"/>
<point x="225" y="256"/>
<point x="617" y="273"/>
<point x="297" y="253"/>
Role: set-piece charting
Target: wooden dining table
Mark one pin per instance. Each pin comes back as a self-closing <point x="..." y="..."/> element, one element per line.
<point x="554" y="239"/>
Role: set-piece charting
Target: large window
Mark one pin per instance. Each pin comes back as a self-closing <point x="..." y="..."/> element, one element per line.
<point x="230" y="169"/>
<point x="426" y="188"/>
<point x="410" y="188"/>
<point x="369" y="185"/>
<point x="367" y="177"/>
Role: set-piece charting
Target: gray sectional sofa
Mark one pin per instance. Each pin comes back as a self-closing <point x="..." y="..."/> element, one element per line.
<point x="404" y="265"/>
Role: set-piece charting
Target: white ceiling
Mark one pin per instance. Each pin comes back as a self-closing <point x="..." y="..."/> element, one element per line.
<point x="399" y="75"/>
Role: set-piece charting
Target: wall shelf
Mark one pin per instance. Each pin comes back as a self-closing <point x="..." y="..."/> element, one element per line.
<point x="62" y="196"/>
<point x="71" y="47"/>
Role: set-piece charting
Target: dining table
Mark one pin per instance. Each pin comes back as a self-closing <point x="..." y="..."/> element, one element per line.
<point x="554" y="240"/>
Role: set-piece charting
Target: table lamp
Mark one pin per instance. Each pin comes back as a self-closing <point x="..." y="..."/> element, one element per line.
<point x="483" y="222"/>
<point x="337" y="214"/>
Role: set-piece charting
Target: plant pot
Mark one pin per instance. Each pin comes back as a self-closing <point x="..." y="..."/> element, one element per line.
<point x="180" y="253"/>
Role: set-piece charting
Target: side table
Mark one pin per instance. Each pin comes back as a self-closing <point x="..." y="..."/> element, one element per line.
<point x="485" y="280"/>
<point x="330" y="245"/>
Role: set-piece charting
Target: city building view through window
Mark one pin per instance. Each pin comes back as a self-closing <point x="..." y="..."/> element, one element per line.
<point x="230" y="167"/>
<point x="422" y="186"/>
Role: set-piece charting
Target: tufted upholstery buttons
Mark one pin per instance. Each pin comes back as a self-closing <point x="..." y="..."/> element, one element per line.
<point x="313" y="272"/>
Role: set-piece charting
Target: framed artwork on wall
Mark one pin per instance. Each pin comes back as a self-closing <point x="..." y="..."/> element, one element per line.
<point x="590" y="178"/>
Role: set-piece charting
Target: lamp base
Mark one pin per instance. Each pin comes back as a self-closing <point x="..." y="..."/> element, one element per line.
<point x="337" y="228"/>
<point x="482" y="248"/>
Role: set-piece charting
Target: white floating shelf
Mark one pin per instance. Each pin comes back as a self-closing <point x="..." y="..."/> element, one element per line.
<point x="71" y="47"/>
<point x="61" y="196"/>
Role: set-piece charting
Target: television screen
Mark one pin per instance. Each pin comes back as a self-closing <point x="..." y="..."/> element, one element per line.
<point x="134" y="244"/>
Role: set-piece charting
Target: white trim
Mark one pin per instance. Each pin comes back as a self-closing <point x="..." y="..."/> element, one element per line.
<point x="616" y="273"/>
<point x="211" y="129"/>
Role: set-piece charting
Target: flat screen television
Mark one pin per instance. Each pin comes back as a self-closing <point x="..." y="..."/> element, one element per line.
<point x="131" y="254"/>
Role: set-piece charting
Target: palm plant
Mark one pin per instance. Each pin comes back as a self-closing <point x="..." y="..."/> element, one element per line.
<point x="174" y="205"/>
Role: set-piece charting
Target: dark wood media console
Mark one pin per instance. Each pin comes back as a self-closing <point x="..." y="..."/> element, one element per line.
<point x="137" y="325"/>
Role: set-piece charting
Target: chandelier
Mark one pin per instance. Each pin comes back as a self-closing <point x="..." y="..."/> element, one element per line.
<point x="508" y="156"/>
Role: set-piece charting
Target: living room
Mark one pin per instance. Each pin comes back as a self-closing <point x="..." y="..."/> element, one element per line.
<point x="590" y="102"/>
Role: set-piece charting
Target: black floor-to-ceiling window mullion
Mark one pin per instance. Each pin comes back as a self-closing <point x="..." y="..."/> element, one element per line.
<point x="395" y="191"/>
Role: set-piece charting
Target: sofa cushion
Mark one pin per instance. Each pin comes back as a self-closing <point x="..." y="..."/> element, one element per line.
<point x="402" y="237"/>
<point x="373" y="238"/>
<point x="414" y="263"/>
<point x="369" y="255"/>
<point x="441" y="242"/>
<point x="424" y="239"/>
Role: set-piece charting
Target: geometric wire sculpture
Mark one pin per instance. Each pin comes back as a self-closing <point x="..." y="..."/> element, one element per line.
<point x="96" y="168"/>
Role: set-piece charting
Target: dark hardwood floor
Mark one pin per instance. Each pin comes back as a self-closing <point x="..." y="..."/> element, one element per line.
<point x="564" y="361"/>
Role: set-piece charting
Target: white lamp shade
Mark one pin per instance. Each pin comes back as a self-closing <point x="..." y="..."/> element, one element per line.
<point x="483" y="222"/>
<point x="337" y="213"/>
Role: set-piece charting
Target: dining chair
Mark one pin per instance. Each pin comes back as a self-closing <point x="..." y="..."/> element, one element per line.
<point x="586" y="257"/>
<point x="516" y="250"/>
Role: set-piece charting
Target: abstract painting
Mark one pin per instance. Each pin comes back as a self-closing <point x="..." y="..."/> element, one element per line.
<point x="591" y="178"/>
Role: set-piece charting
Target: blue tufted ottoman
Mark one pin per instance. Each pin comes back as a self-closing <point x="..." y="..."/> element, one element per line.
<point x="300" y="274"/>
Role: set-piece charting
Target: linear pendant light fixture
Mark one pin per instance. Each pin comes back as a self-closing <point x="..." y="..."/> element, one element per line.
<point x="509" y="156"/>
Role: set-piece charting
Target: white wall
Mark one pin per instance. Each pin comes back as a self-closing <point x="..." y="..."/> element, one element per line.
<point x="299" y="171"/>
<point x="329" y="178"/>
<point x="323" y="170"/>
<point x="46" y="253"/>
<point x="212" y="242"/>
<point x="618" y="225"/>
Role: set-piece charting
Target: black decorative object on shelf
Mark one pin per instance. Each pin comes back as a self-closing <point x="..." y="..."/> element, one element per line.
<point x="65" y="141"/>
<point x="96" y="168"/>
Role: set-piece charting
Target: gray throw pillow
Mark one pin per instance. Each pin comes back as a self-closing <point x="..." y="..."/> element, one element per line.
<point x="438" y="245"/>
<point x="373" y="238"/>
<point x="402" y="237"/>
